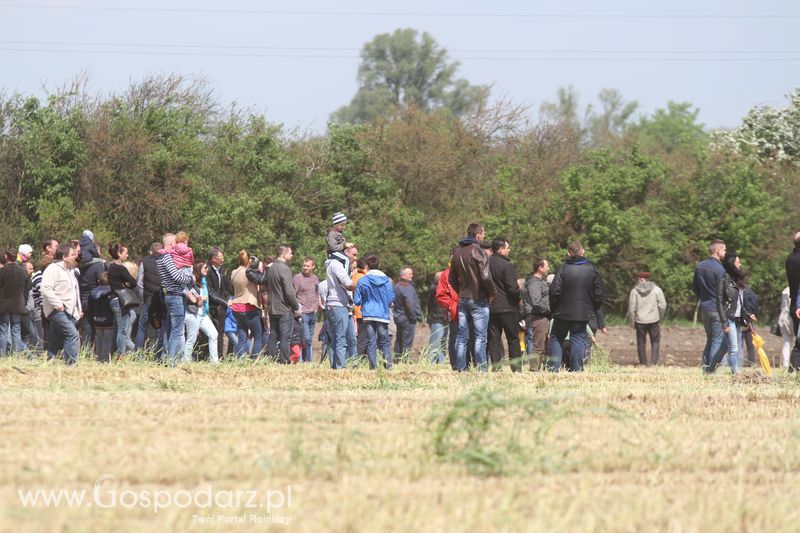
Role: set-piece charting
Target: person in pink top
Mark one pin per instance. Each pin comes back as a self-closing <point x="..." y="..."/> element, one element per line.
<point x="183" y="257"/>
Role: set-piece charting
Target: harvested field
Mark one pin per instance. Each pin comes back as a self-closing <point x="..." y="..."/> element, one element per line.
<point x="419" y="447"/>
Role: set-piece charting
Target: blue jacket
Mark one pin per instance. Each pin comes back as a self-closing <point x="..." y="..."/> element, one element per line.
<point x="230" y="322"/>
<point x="706" y="278"/>
<point x="374" y="293"/>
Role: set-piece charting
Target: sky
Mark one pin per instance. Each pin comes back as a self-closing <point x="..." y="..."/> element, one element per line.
<point x="297" y="62"/>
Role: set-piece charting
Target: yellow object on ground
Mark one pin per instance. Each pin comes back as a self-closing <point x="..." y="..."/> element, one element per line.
<point x="758" y="344"/>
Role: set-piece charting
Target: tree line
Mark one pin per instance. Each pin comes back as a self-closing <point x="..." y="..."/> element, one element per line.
<point x="166" y="155"/>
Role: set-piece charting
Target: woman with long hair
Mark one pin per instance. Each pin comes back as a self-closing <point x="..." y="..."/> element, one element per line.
<point x="732" y="311"/>
<point x="119" y="277"/>
<point x="246" y="304"/>
<point x="197" y="315"/>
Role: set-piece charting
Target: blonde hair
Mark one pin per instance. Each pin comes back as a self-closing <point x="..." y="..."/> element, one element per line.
<point x="182" y="236"/>
<point x="244" y="258"/>
<point x="132" y="268"/>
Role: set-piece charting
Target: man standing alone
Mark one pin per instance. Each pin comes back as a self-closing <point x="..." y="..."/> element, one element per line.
<point x="706" y="277"/>
<point x="283" y="306"/>
<point x="471" y="278"/>
<point x="575" y="296"/>
<point x="646" y="308"/>
<point x="504" y="309"/>
<point x="407" y="310"/>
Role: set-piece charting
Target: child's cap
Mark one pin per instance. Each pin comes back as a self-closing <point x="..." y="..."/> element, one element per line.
<point x="339" y="218"/>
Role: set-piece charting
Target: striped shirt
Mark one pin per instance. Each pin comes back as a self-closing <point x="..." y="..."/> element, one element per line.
<point x="174" y="280"/>
<point x="36" y="281"/>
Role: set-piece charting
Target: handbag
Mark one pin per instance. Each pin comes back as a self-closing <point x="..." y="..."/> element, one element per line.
<point x="128" y="298"/>
<point x="776" y="330"/>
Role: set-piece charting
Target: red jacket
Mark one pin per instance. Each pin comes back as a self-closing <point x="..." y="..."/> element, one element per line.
<point x="447" y="297"/>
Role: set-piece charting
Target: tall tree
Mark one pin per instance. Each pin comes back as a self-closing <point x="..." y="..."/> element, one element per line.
<point x="404" y="69"/>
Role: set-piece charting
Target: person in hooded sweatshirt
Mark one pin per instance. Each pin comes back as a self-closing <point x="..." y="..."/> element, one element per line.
<point x="91" y="266"/>
<point x="646" y="308"/>
<point x="375" y="294"/>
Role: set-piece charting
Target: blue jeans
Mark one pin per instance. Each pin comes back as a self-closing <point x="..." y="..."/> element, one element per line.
<point x="733" y="345"/>
<point x="249" y="323"/>
<point x="473" y="317"/>
<point x="11" y="331"/>
<point x="437" y="342"/>
<point x="378" y="334"/>
<point x="176" y="310"/>
<point x="352" y="340"/>
<point x="715" y="345"/>
<point x="85" y="325"/>
<point x="144" y="323"/>
<point x="336" y="317"/>
<point x="121" y="319"/>
<point x="63" y="335"/>
<point x="577" y="338"/>
<point x="309" y="323"/>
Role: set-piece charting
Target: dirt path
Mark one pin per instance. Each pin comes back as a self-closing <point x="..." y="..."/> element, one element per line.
<point x="680" y="345"/>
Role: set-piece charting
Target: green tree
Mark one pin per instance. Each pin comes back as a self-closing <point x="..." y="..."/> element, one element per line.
<point x="672" y="129"/>
<point x="405" y="69"/>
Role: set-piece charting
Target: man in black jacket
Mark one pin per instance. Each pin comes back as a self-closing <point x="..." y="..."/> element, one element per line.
<point x="504" y="309"/>
<point x="793" y="277"/>
<point x="149" y="285"/>
<point x="14" y="287"/>
<point x="219" y="292"/>
<point x="576" y="294"/>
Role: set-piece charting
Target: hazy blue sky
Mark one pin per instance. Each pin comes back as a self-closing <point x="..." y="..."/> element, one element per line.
<point x="296" y="61"/>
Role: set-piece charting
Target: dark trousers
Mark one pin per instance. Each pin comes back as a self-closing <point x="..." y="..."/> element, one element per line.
<point x="405" y="336"/>
<point x="642" y="330"/>
<point x="103" y="341"/>
<point x="507" y="323"/>
<point x="747" y="339"/>
<point x="361" y="337"/>
<point x="218" y="314"/>
<point x="794" y="357"/>
<point x="280" y="333"/>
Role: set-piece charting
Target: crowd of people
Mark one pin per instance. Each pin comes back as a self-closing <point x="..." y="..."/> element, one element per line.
<point x="78" y="296"/>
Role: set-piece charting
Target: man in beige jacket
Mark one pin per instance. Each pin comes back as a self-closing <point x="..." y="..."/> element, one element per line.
<point x="646" y="308"/>
<point x="61" y="303"/>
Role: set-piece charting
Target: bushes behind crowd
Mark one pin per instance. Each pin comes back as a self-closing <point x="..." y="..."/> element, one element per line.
<point x="166" y="154"/>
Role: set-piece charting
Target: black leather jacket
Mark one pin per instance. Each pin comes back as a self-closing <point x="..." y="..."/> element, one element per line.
<point x="728" y="293"/>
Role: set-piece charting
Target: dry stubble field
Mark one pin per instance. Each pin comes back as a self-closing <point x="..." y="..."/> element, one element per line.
<point x="419" y="448"/>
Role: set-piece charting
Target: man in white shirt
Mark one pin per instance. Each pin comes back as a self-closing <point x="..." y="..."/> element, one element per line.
<point x="61" y="303"/>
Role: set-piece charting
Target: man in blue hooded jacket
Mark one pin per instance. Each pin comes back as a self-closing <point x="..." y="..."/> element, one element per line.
<point x="375" y="294"/>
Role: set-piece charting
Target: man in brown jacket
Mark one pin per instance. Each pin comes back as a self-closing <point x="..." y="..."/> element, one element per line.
<point x="471" y="278"/>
